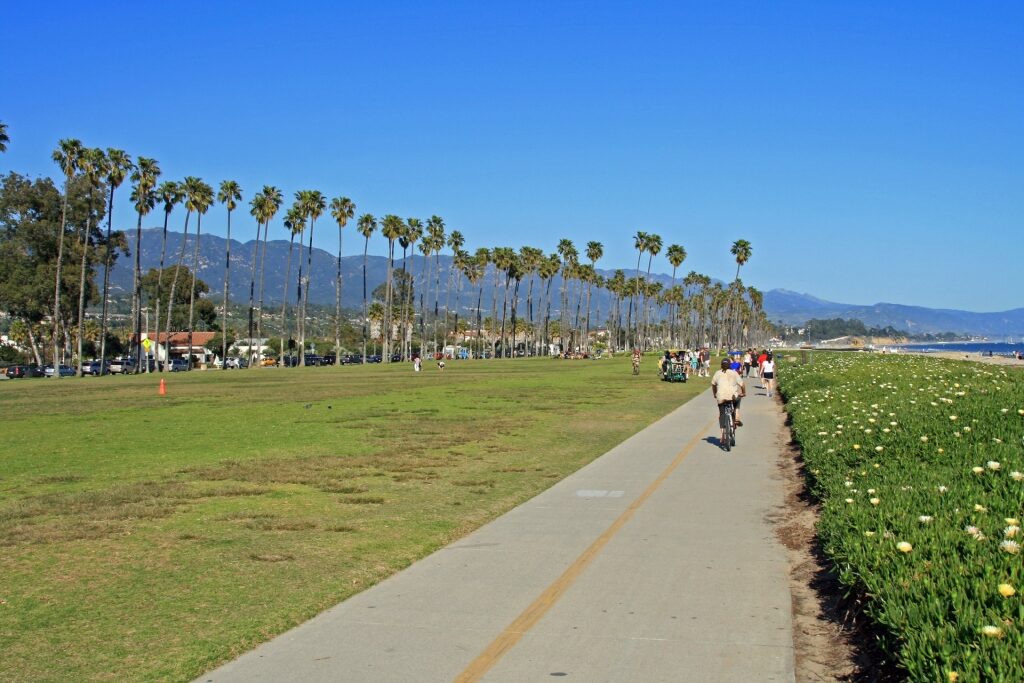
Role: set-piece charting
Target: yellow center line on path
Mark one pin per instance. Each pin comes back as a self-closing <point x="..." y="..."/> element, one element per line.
<point x="514" y="632"/>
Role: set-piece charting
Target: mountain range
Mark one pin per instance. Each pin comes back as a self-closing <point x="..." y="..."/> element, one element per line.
<point x="781" y="305"/>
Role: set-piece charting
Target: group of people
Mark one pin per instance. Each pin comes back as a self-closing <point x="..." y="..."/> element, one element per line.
<point x="689" y="362"/>
<point x="728" y="388"/>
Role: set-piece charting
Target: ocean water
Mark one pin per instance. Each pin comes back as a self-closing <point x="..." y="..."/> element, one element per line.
<point x="997" y="348"/>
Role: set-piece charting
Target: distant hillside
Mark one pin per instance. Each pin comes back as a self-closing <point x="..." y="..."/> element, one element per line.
<point x="780" y="304"/>
<point x="793" y="308"/>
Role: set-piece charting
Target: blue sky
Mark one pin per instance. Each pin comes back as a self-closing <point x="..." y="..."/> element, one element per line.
<point x="870" y="151"/>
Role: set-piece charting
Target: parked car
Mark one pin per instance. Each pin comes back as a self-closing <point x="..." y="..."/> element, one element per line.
<point x="312" y="359"/>
<point x="176" y="365"/>
<point x="329" y="359"/>
<point x="64" y="370"/>
<point x="374" y="359"/>
<point x="268" y="362"/>
<point x="121" y="366"/>
<point x="352" y="359"/>
<point x="94" y="367"/>
<point x="19" y="371"/>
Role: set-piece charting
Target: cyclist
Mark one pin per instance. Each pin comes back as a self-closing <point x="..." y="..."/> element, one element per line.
<point x="727" y="388"/>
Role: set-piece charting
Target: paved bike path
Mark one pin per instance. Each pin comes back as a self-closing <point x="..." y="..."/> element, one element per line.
<point x="653" y="563"/>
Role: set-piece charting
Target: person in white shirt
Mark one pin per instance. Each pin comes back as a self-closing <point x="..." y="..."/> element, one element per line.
<point x="768" y="374"/>
<point x="727" y="388"/>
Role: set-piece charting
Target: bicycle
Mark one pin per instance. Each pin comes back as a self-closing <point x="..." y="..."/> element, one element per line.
<point x="726" y="420"/>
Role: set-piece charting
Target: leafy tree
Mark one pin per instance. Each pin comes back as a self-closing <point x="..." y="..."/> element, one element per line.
<point x="153" y="286"/>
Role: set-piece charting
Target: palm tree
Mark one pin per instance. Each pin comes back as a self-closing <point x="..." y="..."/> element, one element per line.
<point x="119" y="163"/>
<point x="504" y="262"/>
<point x="170" y="193"/>
<point x="315" y="204"/>
<point x="258" y="209"/>
<point x="653" y="249"/>
<point x="190" y="182"/>
<point x="435" y="231"/>
<point x="742" y="250"/>
<point x="595" y="250"/>
<point x="295" y="222"/>
<point x="391" y="226"/>
<point x="455" y="242"/>
<point x="4" y="139"/>
<point x="676" y="255"/>
<point x="272" y="199"/>
<point x="198" y="198"/>
<point x="480" y="259"/>
<point x="569" y="255"/>
<point x="366" y="225"/>
<point x="144" y="176"/>
<point x="640" y="244"/>
<point x="413" y="234"/>
<point x="403" y="241"/>
<point x="529" y="261"/>
<point x="229" y="195"/>
<point x="93" y="165"/>
<point x="473" y="272"/>
<point x="342" y="210"/>
<point x="549" y="268"/>
<point x="67" y="155"/>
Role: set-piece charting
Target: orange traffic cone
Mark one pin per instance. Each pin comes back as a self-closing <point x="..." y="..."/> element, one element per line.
<point x="163" y="387"/>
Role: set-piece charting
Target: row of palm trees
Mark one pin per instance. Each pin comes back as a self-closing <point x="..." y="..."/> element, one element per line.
<point x="695" y="306"/>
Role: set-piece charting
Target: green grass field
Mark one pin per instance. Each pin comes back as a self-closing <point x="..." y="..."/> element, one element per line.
<point x="147" y="537"/>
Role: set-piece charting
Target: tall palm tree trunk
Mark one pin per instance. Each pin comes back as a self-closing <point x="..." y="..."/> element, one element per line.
<point x="284" y="298"/>
<point x="192" y="293"/>
<point x="366" y="246"/>
<point x="337" y="307"/>
<point x="252" y="292"/>
<point x="305" y="297"/>
<point x="259" y="307"/>
<point x="174" y="284"/>
<point x="298" y="299"/>
<point x="81" y="288"/>
<point x="227" y="271"/>
<point x="106" y="288"/>
<point x="159" y="290"/>
<point x="494" y="314"/>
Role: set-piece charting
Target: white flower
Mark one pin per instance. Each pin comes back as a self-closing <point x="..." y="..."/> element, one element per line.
<point x="943" y="489"/>
<point x="1007" y="590"/>
<point x="992" y="631"/>
<point x="980" y="508"/>
<point x="871" y="490"/>
<point x="993" y="465"/>
<point x="848" y="483"/>
<point x="925" y="519"/>
<point x="879" y="448"/>
<point x="1011" y="547"/>
<point x="1017" y="476"/>
<point x="1012" y="521"/>
<point x="977" y="470"/>
<point x="869" y="534"/>
<point x="1011" y="531"/>
<point x="849" y="500"/>
<point x="875" y="501"/>
<point x="924" y="439"/>
<point x="904" y="547"/>
<point x="952" y="418"/>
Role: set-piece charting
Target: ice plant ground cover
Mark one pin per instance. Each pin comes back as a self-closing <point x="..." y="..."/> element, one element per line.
<point x="918" y="464"/>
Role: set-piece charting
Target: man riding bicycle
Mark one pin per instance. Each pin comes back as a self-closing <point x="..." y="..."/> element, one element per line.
<point x="727" y="388"/>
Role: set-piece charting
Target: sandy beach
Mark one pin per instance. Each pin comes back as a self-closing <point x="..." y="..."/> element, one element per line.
<point x="977" y="357"/>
